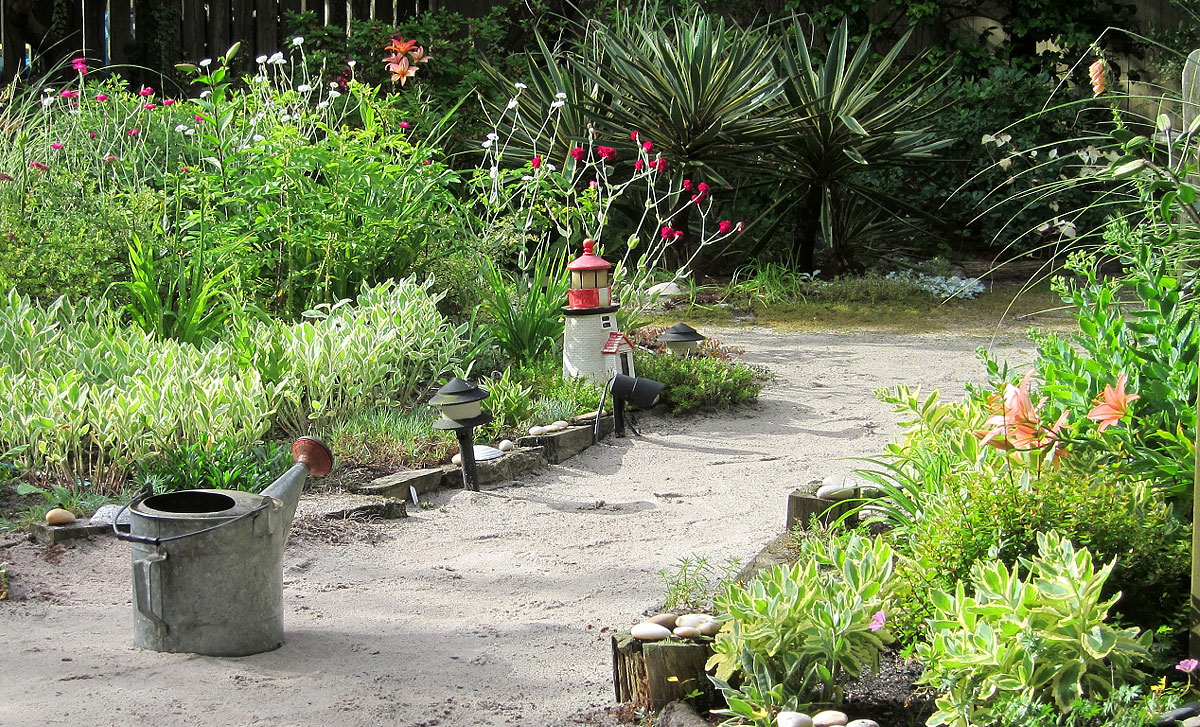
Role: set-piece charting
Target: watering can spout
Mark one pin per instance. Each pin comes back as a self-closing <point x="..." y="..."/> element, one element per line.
<point x="312" y="458"/>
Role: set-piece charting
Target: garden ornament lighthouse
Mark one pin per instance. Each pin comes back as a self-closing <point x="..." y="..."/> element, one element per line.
<point x="592" y="345"/>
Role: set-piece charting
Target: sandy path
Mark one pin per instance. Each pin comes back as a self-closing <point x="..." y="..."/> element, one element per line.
<point x="486" y="609"/>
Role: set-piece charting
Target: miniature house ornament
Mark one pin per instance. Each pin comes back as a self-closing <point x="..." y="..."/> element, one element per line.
<point x="592" y="344"/>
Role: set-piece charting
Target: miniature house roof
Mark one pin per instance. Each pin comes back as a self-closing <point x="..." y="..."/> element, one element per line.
<point x="589" y="260"/>
<point x="617" y="343"/>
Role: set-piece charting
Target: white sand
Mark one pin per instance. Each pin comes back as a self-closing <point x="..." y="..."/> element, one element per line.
<point x="486" y="609"/>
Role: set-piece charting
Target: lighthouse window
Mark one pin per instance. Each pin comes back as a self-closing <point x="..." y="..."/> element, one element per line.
<point x="602" y="279"/>
<point x="606" y="322"/>
<point x="576" y="280"/>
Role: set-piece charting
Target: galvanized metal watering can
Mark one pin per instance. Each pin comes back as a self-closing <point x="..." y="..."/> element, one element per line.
<point x="208" y="564"/>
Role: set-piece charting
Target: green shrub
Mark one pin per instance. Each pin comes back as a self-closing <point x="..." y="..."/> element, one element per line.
<point x="699" y="383"/>
<point x="982" y="516"/>
<point x="794" y="631"/>
<point x="1142" y="324"/>
<point x="225" y="465"/>
<point x="1024" y="637"/>
<point x="86" y="398"/>
<point x="391" y="436"/>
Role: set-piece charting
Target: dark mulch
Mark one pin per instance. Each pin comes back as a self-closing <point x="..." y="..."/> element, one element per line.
<point x="888" y="696"/>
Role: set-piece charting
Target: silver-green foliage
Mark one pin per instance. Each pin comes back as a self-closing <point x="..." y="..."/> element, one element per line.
<point x="1022" y="637"/>
<point x="84" y="397"/>
<point x="348" y="356"/>
<point x="794" y="631"/>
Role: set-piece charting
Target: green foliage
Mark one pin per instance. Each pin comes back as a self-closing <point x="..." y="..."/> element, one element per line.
<point x="697" y="87"/>
<point x="954" y="502"/>
<point x="347" y="357"/>
<point x="693" y="583"/>
<point x="391" y="436"/>
<point x="226" y="464"/>
<point x="524" y="308"/>
<point x="794" y="631"/>
<point x="510" y="403"/>
<point x="694" y="382"/>
<point x="1141" y="324"/>
<point x="548" y="383"/>
<point x="848" y="114"/>
<point x="1040" y="635"/>
<point x="978" y="517"/>
<point x="87" y="399"/>
<point x="187" y="304"/>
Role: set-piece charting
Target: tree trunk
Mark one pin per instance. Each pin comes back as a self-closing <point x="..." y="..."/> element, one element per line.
<point x="806" y="223"/>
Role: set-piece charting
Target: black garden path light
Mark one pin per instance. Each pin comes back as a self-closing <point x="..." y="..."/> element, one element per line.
<point x="461" y="403"/>
<point x="681" y="339"/>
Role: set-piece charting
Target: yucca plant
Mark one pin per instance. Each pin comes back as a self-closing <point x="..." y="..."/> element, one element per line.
<point x="847" y="115"/>
<point x="696" y="88"/>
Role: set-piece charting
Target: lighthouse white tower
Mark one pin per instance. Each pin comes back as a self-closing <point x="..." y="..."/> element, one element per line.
<point x="592" y="345"/>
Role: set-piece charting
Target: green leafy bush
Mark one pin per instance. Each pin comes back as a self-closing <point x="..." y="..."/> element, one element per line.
<point x="794" y="631"/>
<point x="1142" y="324"/>
<point x="1021" y="637"/>
<point x="994" y="516"/>
<point x="86" y="398"/>
<point x="224" y="465"/>
<point x="699" y="383"/>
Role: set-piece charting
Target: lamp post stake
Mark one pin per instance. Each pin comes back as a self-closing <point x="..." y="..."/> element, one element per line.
<point x="466" y="448"/>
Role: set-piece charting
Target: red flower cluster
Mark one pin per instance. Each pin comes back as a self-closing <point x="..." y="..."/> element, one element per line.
<point x="669" y="233"/>
<point x="535" y="162"/>
<point x="659" y="164"/>
<point x="701" y="193"/>
<point x="79" y="65"/>
<point x="69" y="94"/>
<point x="578" y="153"/>
<point x="146" y="91"/>
<point x="5" y="177"/>
<point x="39" y="166"/>
<point x="607" y="153"/>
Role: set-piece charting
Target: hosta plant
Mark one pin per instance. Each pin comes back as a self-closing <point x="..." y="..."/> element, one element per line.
<point x="1036" y="631"/>
<point x="795" y="631"/>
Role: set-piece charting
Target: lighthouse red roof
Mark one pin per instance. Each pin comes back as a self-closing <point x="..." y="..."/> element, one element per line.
<point x="617" y="343"/>
<point x="589" y="260"/>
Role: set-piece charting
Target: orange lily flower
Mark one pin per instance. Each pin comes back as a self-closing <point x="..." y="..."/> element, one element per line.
<point x="1112" y="405"/>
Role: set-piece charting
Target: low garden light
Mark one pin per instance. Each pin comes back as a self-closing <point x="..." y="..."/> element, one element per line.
<point x="461" y="403"/>
<point x="681" y="339"/>
<point x="642" y="393"/>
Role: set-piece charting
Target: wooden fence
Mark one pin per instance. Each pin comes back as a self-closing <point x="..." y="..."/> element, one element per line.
<point x="159" y="33"/>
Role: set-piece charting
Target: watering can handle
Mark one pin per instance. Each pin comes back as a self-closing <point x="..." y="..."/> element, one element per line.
<point x="144" y="567"/>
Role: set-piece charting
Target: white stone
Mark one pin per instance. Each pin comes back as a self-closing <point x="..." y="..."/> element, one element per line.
<point x="647" y="631"/>
<point x="863" y="723"/>
<point x="687" y="632"/>
<point x="836" y="492"/>
<point x="663" y="619"/>
<point x="456" y="459"/>
<point x="560" y="425"/>
<point x="506" y="445"/>
<point x="694" y="620"/>
<point x="793" y="719"/>
<point x="537" y="431"/>
<point x="710" y="628"/>
<point x="107" y="513"/>
<point x="830" y="718"/>
<point x="663" y="290"/>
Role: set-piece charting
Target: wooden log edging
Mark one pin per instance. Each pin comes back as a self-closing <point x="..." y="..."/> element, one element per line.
<point x="652" y="674"/>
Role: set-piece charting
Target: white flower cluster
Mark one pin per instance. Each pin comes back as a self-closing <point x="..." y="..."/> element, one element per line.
<point x="940" y="286"/>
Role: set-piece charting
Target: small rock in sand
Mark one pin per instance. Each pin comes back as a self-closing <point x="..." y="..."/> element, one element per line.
<point x="830" y="718"/>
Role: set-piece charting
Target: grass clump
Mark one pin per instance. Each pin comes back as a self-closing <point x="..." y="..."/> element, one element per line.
<point x="392" y="436"/>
